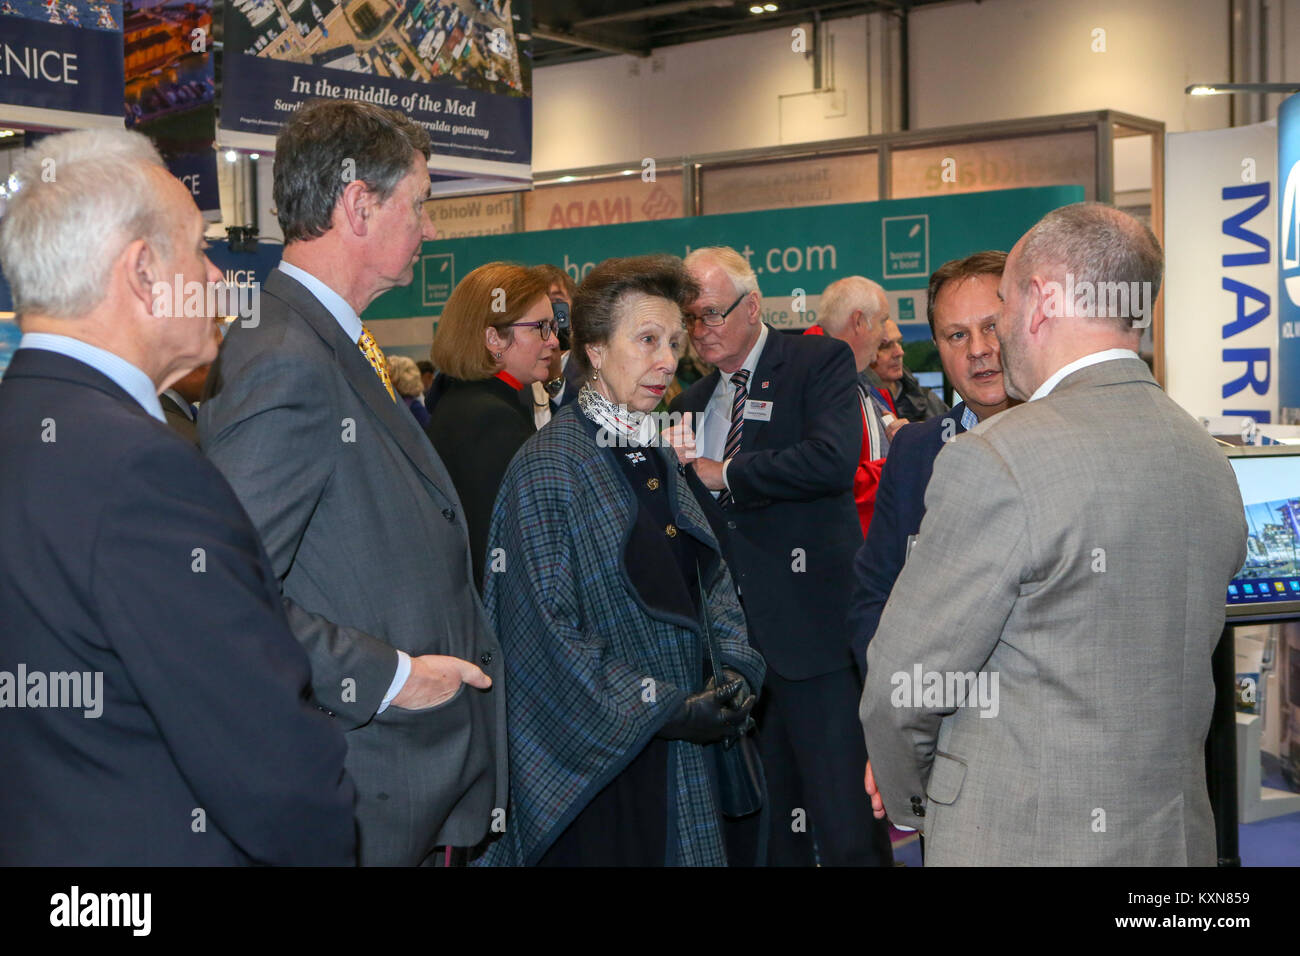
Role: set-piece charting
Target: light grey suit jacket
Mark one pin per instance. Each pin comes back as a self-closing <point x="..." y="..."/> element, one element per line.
<point x="368" y="537"/>
<point x="1079" y="548"/>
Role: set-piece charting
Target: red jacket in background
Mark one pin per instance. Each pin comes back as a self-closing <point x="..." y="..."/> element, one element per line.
<point x="867" y="478"/>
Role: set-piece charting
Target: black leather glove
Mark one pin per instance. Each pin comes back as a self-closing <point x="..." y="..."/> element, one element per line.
<point x="713" y="714"/>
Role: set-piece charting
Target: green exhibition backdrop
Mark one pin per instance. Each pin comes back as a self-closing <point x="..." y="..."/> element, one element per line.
<point x="897" y="242"/>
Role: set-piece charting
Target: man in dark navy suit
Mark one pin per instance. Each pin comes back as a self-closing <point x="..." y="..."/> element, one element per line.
<point x="962" y="307"/>
<point x="153" y="700"/>
<point x="776" y="436"/>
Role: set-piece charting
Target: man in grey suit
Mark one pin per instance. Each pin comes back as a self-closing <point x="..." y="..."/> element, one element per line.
<point x="1046" y="702"/>
<point x="358" y="513"/>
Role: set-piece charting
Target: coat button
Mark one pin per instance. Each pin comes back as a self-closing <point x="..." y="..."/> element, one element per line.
<point x="449" y="514"/>
<point x="671" y="531"/>
<point x="652" y="484"/>
<point x="486" y="658"/>
<point x="731" y="526"/>
<point x="917" y="808"/>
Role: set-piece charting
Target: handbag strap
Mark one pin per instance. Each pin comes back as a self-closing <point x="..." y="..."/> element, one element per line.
<point x="715" y="654"/>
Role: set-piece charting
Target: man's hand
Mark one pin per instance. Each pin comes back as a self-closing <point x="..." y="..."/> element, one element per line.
<point x="681" y="438"/>
<point x="877" y="804"/>
<point x="435" y="678"/>
<point x="892" y="428"/>
<point x="710" y="472"/>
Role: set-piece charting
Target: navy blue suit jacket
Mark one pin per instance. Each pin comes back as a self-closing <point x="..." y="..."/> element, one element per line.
<point x="125" y="553"/>
<point x="791" y="529"/>
<point x="900" y="506"/>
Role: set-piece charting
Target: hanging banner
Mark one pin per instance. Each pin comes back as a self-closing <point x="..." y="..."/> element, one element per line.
<point x="461" y="70"/>
<point x="1221" y="332"/>
<point x="1288" y="294"/>
<point x="170" y="91"/>
<point x="61" y="62"/>
<point x="795" y="254"/>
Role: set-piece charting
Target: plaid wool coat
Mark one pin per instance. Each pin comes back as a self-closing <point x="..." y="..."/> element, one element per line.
<point x="592" y="672"/>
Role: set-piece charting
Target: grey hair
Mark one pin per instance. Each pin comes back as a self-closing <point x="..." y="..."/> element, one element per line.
<point x="405" y="375"/>
<point x="845" y="296"/>
<point x="329" y="143"/>
<point x="729" y="261"/>
<point x="80" y="198"/>
<point x="1095" y="243"/>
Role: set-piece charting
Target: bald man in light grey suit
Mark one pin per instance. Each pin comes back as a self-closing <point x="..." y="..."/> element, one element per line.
<point x="1046" y="700"/>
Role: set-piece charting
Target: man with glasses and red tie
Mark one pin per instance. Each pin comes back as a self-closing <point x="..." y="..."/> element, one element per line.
<point x="772" y="443"/>
<point x="361" y="519"/>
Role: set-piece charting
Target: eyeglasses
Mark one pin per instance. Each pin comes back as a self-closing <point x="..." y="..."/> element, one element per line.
<point x="545" y="328"/>
<point x="712" y="317"/>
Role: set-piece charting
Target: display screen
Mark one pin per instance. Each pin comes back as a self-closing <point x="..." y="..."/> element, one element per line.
<point x="1270" y="490"/>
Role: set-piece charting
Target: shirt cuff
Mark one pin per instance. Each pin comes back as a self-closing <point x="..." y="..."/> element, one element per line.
<point x="399" y="680"/>
<point x="726" y="484"/>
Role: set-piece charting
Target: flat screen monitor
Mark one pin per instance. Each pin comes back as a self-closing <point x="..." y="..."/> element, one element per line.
<point x="932" y="380"/>
<point x="1268" y="584"/>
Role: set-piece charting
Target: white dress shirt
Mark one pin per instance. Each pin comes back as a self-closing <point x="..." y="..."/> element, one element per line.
<point x="350" y="323"/>
<point x="125" y="375"/>
<point x="715" y="421"/>
<point x="1096" y="358"/>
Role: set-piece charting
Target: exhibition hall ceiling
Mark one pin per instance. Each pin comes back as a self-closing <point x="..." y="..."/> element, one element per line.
<point x="567" y="30"/>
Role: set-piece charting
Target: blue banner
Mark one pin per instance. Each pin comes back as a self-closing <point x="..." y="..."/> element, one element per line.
<point x="171" y="90"/>
<point x="1288" y="241"/>
<point x="463" y="72"/>
<point x="61" y="55"/>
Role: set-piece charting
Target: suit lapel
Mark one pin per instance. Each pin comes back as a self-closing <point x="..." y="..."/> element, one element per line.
<point x="362" y="379"/>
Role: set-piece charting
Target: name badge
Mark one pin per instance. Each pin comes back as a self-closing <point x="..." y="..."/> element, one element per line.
<point x="758" y="411"/>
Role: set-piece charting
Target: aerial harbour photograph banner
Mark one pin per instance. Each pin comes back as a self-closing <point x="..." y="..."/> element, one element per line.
<point x="63" y="56"/>
<point x="459" y="68"/>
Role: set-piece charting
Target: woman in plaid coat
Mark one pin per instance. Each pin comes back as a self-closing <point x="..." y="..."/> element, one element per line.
<point x="592" y="589"/>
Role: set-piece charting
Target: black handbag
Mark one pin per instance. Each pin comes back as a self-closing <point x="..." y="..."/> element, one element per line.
<point x="742" y="787"/>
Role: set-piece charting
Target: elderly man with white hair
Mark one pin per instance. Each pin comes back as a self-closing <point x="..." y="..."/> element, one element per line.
<point x="776" y="447"/>
<point x="854" y="310"/>
<point x="159" y="715"/>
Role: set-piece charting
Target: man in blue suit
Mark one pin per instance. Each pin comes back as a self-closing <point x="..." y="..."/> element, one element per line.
<point x="153" y="700"/>
<point x="777" y="435"/>
<point x="962" y="307"/>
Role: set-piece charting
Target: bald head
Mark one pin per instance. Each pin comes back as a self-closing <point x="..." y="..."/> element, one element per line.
<point x="1082" y="280"/>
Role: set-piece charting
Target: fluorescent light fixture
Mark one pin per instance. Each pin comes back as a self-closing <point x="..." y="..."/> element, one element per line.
<point x="627" y="172"/>
<point x="566" y="179"/>
<point x="254" y="155"/>
<point x="1215" y="89"/>
<point x="231" y="156"/>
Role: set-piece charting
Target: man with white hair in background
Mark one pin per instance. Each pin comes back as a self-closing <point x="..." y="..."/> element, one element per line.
<point x="854" y="310"/>
<point x="777" y="436"/>
<point x="164" y="718"/>
<point x="1045" y="700"/>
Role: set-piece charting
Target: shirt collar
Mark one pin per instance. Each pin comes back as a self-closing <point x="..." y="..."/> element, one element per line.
<point x="751" y="360"/>
<point x="181" y="402"/>
<point x="125" y="375"/>
<point x="344" y="314"/>
<point x="1096" y="358"/>
<point x="968" y="418"/>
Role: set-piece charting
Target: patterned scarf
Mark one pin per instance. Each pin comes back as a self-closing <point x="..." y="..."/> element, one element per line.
<point x="634" y="428"/>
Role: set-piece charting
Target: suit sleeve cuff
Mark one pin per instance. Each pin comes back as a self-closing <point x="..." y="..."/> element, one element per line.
<point x="399" y="680"/>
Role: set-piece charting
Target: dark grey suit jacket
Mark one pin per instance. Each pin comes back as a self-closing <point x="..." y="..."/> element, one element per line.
<point x="367" y="536"/>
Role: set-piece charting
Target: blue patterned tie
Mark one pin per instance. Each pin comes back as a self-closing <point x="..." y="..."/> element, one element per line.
<point x="740" y="380"/>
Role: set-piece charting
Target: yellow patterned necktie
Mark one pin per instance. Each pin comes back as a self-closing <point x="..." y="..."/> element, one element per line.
<point x="375" y="356"/>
